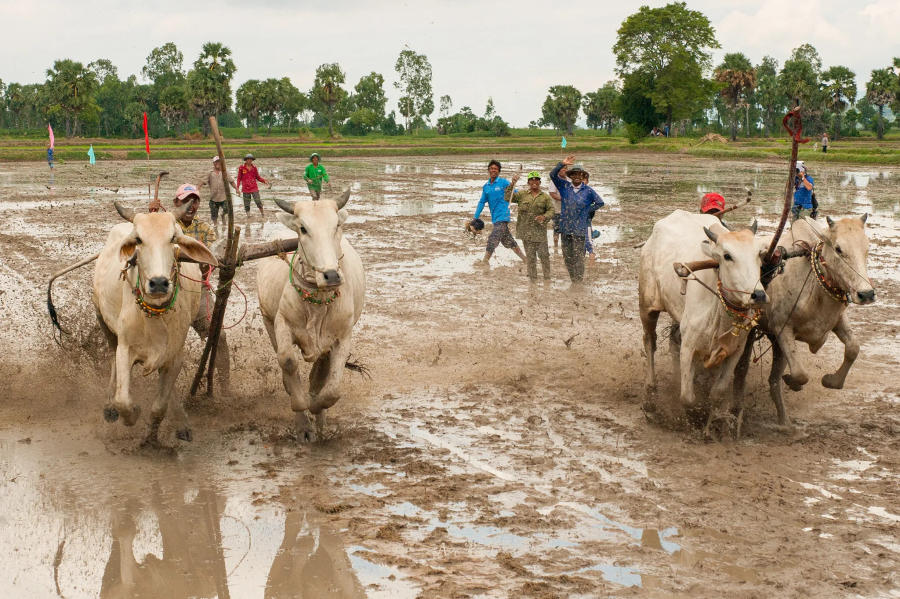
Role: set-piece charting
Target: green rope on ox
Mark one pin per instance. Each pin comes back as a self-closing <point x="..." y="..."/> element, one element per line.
<point x="308" y="296"/>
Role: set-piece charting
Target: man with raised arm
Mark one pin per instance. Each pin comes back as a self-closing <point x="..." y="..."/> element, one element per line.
<point x="577" y="201"/>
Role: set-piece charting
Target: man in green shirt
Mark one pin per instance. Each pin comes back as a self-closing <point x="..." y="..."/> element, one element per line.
<point x="314" y="175"/>
<point x="535" y="211"/>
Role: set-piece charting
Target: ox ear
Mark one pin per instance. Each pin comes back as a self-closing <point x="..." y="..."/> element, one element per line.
<point x="195" y="250"/>
<point x="707" y="248"/>
<point x="124" y="211"/>
<point x="830" y="222"/>
<point x="864" y="218"/>
<point x="128" y="247"/>
<point x="342" y="216"/>
<point x="712" y="236"/>
<point x="342" y="200"/>
<point x="754" y="226"/>
<point x="287" y="221"/>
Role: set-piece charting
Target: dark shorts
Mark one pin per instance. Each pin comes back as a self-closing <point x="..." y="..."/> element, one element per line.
<point x="500" y="234"/>
<point x="555" y="219"/>
<point x="255" y="196"/>
<point x="214" y="208"/>
<point x="315" y="193"/>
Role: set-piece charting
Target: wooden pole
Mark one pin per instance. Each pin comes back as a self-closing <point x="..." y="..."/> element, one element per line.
<point x="227" y="269"/>
<point x="796" y="140"/>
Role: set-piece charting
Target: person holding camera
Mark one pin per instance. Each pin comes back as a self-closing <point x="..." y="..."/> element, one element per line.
<point x="804" y="197"/>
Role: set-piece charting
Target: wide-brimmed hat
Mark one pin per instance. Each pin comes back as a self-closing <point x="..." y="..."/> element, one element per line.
<point x="314" y="155"/>
<point x="576" y="168"/>
<point x="250" y="156"/>
<point x="186" y="190"/>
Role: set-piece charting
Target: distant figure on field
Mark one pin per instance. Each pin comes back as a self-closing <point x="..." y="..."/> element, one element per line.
<point x="217" y="192"/>
<point x="577" y="202"/>
<point x="492" y="194"/>
<point x="535" y="210"/>
<point x="50" y="157"/>
<point x="557" y="207"/>
<point x="804" y="197"/>
<point x="314" y="176"/>
<point x="824" y="143"/>
<point x="247" y="176"/>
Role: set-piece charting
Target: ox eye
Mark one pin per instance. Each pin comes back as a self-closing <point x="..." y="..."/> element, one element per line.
<point x="302" y="229"/>
<point x="138" y="240"/>
<point x="838" y="249"/>
<point x="728" y="257"/>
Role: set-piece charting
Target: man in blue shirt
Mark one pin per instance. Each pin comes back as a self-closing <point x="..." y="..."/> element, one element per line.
<point x="492" y="194"/>
<point x="803" y="192"/>
<point x="578" y="200"/>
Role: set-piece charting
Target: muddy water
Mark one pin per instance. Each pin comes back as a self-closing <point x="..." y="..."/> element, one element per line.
<point x="499" y="447"/>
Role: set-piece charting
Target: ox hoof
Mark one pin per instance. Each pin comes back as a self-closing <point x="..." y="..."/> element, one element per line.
<point x="185" y="434"/>
<point x="110" y="414"/>
<point x="795" y="383"/>
<point x="306" y="432"/>
<point x="832" y="381"/>
<point x="131" y="417"/>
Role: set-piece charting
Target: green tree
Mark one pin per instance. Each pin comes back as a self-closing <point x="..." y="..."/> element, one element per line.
<point x="799" y="80"/>
<point x="209" y="82"/>
<point x="670" y="48"/>
<point x="636" y="108"/>
<point x="840" y="87"/>
<point x="174" y="106"/>
<point x="72" y="88"/>
<point x="600" y="107"/>
<point x="416" y="103"/>
<point x="446" y="105"/>
<point x="369" y="94"/>
<point x="768" y="93"/>
<point x="327" y="96"/>
<point x="560" y="108"/>
<point x="738" y="79"/>
<point x="851" y="119"/>
<point x="247" y="102"/>
<point x="293" y="102"/>
<point x="881" y="91"/>
<point x="164" y="66"/>
<point x="489" y="110"/>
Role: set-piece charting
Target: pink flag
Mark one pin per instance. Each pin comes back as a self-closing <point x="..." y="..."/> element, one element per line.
<point x="52" y="139"/>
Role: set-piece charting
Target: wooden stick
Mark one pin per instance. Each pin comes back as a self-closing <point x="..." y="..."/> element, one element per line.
<point x="685" y="269"/>
<point x="227" y="268"/>
<point x="788" y="191"/>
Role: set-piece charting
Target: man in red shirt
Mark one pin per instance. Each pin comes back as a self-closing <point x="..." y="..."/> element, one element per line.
<point x="247" y="176"/>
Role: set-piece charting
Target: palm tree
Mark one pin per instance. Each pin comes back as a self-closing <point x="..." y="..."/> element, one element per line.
<point x="209" y="83"/>
<point x="840" y="85"/>
<point x="881" y="91"/>
<point x="72" y="87"/>
<point x="738" y="78"/>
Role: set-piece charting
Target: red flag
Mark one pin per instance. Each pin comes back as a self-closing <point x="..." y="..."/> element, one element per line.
<point x="146" y="136"/>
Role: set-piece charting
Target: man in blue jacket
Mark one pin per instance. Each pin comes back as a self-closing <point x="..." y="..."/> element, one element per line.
<point x="578" y="200"/>
<point x="492" y="194"/>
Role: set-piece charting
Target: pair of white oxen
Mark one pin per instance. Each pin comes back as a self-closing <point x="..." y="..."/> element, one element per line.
<point x="146" y="300"/>
<point x="715" y="313"/>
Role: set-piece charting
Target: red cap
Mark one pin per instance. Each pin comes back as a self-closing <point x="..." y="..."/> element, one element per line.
<point x="712" y="202"/>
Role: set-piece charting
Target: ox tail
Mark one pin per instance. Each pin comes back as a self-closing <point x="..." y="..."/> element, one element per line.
<point x="359" y="367"/>
<point x="54" y="318"/>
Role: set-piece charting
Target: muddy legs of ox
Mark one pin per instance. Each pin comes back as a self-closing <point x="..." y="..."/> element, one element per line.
<point x="798" y="377"/>
<point x="283" y="340"/>
<point x="725" y="405"/>
<point x="325" y="381"/>
<point x="686" y="356"/>
<point x="851" y="350"/>
<point x="649" y="320"/>
<point x="779" y="362"/>
<point x="121" y="404"/>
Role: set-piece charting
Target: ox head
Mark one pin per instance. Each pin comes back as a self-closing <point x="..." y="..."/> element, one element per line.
<point x="845" y="254"/>
<point x="151" y="249"/>
<point x="318" y="227"/>
<point x="739" y="254"/>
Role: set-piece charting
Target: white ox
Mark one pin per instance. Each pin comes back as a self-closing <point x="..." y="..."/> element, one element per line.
<point x="809" y="300"/>
<point x="707" y="328"/>
<point x="145" y="309"/>
<point x="312" y="299"/>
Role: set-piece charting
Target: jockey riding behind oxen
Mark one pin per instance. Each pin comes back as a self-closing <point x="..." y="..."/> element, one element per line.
<point x="718" y="308"/>
<point x="809" y="300"/>
<point x="312" y="298"/>
<point x="145" y="309"/>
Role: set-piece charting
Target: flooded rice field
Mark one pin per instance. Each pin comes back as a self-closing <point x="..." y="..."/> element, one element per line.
<point x="499" y="448"/>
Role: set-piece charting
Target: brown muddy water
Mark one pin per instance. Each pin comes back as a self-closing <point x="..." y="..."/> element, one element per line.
<point x="499" y="448"/>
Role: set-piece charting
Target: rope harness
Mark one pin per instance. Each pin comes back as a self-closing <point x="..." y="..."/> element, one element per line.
<point x="744" y="318"/>
<point x="310" y="296"/>
<point x="149" y="309"/>
<point x="818" y="266"/>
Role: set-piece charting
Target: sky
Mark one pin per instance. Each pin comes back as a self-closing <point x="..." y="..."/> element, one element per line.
<point x="510" y="51"/>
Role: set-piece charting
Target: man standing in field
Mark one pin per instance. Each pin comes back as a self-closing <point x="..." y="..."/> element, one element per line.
<point x="217" y="192"/>
<point x="535" y="210"/>
<point x="578" y="200"/>
<point x="492" y="194"/>
<point x="314" y="176"/>
<point x="247" y="176"/>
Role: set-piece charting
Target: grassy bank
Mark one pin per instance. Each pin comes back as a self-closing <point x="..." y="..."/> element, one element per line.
<point x="853" y="151"/>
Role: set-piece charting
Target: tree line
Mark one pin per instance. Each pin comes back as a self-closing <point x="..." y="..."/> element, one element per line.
<point x="666" y="80"/>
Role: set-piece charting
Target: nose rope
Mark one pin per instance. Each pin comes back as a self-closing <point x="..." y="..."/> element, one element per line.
<point x="817" y="264"/>
<point x="149" y="309"/>
<point x="309" y="296"/>
<point x="744" y="319"/>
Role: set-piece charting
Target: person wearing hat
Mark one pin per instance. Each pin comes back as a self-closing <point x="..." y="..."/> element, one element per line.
<point x="804" y="198"/>
<point x="314" y="176"/>
<point x="247" y="176"/>
<point x="217" y="191"/>
<point x="492" y="194"/>
<point x="535" y="211"/>
<point x="577" y="201"/>
<point x="712" y="203"/>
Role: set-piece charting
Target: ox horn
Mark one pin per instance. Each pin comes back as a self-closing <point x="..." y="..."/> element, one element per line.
<point x="342" y="200"/>
<point x="864" y="217"/>
<point x="754" y="226"/>
<point x="124" y="211"/>
<point x="712" y="236"/>
<point x="830" y="222"/>
<point x="285" y="205"/>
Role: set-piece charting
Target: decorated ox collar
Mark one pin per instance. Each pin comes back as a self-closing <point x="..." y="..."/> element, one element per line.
<point x="818" y="266"/>
<point x="310" y="296"/>
<point x="744" y="318"/>
<point x="149" y="309"/>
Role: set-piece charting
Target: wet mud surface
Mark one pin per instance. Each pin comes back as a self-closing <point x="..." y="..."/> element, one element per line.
<point x="499" y="448"/>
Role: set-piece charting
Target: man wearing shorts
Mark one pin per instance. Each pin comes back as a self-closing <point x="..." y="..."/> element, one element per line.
<point x="217" y="192"/>
<point x="492" y="194"/>
<point x="247" y="176"/>
<point x="314" y="175"/>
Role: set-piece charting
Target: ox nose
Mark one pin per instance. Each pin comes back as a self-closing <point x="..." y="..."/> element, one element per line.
<point x="758" y="297"/>
<point x="866" y="297"/>
<point x="158" y="285"/>
<point x="332" y="278"/>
